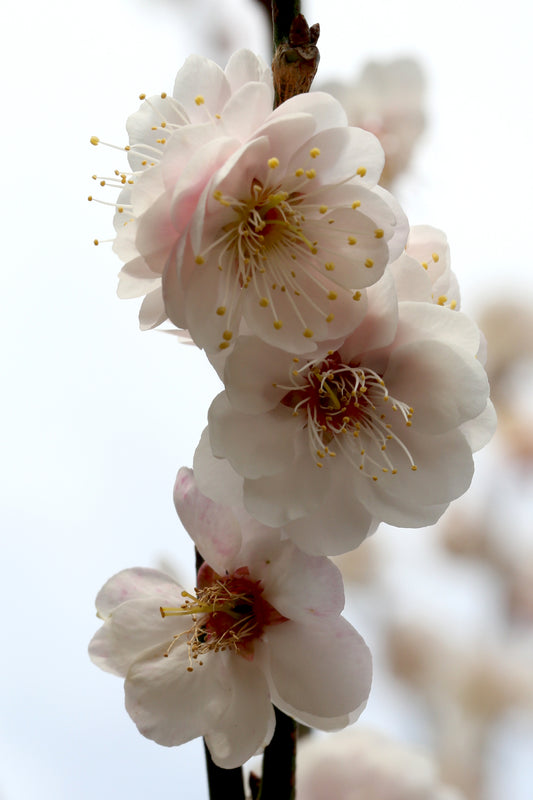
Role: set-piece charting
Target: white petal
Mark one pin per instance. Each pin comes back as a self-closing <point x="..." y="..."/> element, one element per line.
<point x="130" y="584"/>
<point x="254" y="444"/>
<point x="152" y="312"/>
<point x="318" y="670"/>
<point x="248" y="721"/>
<point x="133" y="628"/>
<point x="292" y="493"/>
<point x="479" y="431"/>
<point x="445" y="387"/>
<point x="171" y="705"/>
<point x="339" y="524"/>
<point x="215" y="477"/>
<point x="300" y="586"/>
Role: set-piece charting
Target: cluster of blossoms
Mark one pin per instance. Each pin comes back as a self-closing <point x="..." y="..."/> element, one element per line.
<point x="354" y="393"/>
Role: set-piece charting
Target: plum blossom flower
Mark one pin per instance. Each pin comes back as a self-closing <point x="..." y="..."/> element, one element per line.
<point x="328" y="445"/>
<point x="263" y="626"/>
<point x="239" y="217"/>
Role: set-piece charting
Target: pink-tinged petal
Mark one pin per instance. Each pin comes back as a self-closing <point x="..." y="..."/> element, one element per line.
<point x="212" y="527"/>
<point x="339" y="524"/>
<point x="327" y="112"/>
<point x="338" y="682"/>
<point x="244" y="66"/>
<point x="344" y="154"/>
<point x="195" y="176"/>
<point x="181" y="147"/>
<point x="302" y="587"/>
<point x="135" y="627"/>
<point x="246" y="110"/>
<point x="130" y="584"/>
<point x="294" y="492"/>
<point x="169" y="704"/>
<point x="248" y="722"/>
<point x="152" y="312"/>
<point x="215" y="477"/>
<point x="149" y="186"/>
<point x="445" y="387"/>
<point x="156" y="235"/>
<point x="201" y="78"/>
<point x="250" y="373"/>
<point x="254" y="445"/>
<point x="433" y="322"/>
<point x="479" y="431"/>
<point x="172" y="290"/>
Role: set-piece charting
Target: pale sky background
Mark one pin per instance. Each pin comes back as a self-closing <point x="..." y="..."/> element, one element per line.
<point x="97" y="417"/>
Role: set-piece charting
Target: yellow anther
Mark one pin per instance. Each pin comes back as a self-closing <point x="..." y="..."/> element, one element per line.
<point x="332" y="295"/>
<point x="394" y="472"/>
<point x="330" y="318"/>
<point x="314" y="250"/>
<point x="424" y="264"/>
<point x="221" y="310"/>
<point x="199" y="99"/>
<point x="356" y="204"/>
<point x="374" y="477"/>
<point x="163" y="95"/>
<point x="273" y="163"/>
<point x="102" y="183"/>
<point x="227" y="335"/>
<point x="453" y="304"/>
<point x="154" y="127"/>
<point x="94" y="140"/>
<point x="218" y="116"/>
<point x="296" y="360"/>
<point x="310" y="173"/>
<point x="435" y="257"/>
<point x="323" y="209"/>
<point x="223" y="345"/>
<point x="442" y="299"/>
<point x="142" y="96"/>
<point x="299" y="172"/>
<point x="199" y="260"/>
<point x="96" y="242"/>
<point x="314" y="152"/>
<point x="369" y="263"/>
<point x="329" y="266"/>
<point x="278" y="324"/>
<point x="361" y="171"/>
<point x="308" y="333"/>
<point x="120" y="210"/>
<point x="352" y="240"/>
<point x="379" y="233"/>
<point x="414" y="468"/>
<point x="263" y="302"/>
<point x="128" y="148"/>
<point x="357" y="296"/>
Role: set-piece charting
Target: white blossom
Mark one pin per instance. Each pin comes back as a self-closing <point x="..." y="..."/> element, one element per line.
<point x="373" y="430"/>
<point x="262" y="626"/>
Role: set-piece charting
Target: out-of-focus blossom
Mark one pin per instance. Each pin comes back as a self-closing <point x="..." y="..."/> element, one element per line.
<point x="387" y="99"/>
<point x="263" y="626"/>
<point x="237" y="212"/>
<point x="365" y="765"/>
<point x="381" y="428"/>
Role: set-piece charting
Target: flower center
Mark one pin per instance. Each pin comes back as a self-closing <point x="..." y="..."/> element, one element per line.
<point x="227" y="612"/>
<point x="349" y="408"/>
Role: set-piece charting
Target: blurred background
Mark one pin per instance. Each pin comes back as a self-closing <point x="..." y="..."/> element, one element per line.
<point x="97" y="417"/>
